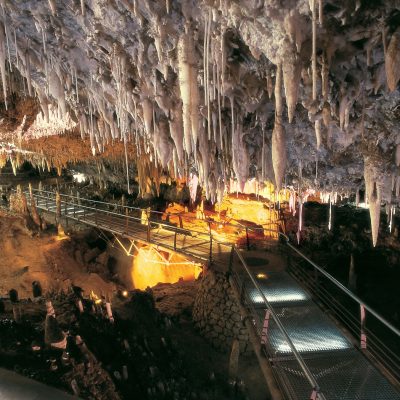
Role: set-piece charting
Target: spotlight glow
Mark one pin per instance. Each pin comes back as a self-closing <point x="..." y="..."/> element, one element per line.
<point x="335" y="343"/>
<point x="279" y="298"/>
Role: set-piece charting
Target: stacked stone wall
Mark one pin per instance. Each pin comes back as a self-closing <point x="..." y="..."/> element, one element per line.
<point x="216" y="313"/>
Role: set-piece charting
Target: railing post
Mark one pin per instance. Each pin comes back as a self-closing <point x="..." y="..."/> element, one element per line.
<point x="211" y="243"/>
<point x="65" y="213"/>
<point x="314" y="394"/>
<point x="264" y="332"/>
<point x="180" y="222"/>
<point x="95" y="213"/>
<point x="363" y="336"/>
<point x="148" y="226"/>
<point x="175" y="240"/>
<point x="230" y="267"/>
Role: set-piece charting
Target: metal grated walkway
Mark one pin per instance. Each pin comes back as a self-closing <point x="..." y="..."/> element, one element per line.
<point x="307" y="350"/>
<point x="343" y="372"/>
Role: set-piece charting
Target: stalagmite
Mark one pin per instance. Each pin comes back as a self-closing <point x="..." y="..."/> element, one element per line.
<point x="392" y="61"/>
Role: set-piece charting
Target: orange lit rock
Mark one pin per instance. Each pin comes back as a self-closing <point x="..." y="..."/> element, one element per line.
<point x="151" y="266"/>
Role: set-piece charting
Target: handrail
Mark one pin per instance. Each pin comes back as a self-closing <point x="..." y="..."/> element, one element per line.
<point x="83" y="199"/>
<point x="342" y="287"/>
<point x="139" y="220"/>
<point x="212" y="238"/>
<point x="299" y="359"/>
<point x="251" y="228"/>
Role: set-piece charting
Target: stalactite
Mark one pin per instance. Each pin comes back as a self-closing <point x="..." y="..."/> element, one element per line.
<point x="127" y="165"/>
<point x="374" y="195"/>
<point x="270" y="85"/>
<point x="278" y="91"/>
<point x="221" y="143"/>
<point x="3" y="64"/>
<point x="176" y="129"/>
<point x="317" y="124"/>
<point x="56" y="89"/>
<point x="300" y="226"/>
<point x="320" y="12"/>
<point x="187" y="73"/>
<point x="392" y="61"/>
<point x="263" y="154"/>
<point x="162" y="142"/>
<point x="279" y="153"/>
<point x="330" y="212"/>
<point x="397" y="190"/>
<point x="223" y="57"/>
<point x="278" y="134"/>
<point x="240" y="158"/>
<point x="317" y="127"/>
<point x="147" y="109"/>
<point x="291" y="79"/>
<point x="207" y="70"/>
<point x="397" y="155"/>
<point x="53" y="7"/>
<point x="44" y="104"/>
<point x="28" y="71"/>
<point x="83" y="9"/>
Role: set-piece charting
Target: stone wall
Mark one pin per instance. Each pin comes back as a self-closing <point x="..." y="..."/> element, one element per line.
<point x="216" y="313"/>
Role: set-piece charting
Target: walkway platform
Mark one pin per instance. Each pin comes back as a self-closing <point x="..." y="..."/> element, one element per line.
<point x="309" y="352"/>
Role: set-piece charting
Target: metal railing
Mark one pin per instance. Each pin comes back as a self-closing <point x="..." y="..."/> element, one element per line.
<point x="261" y="329"/>
<point x="366" y="325"/>
<point x="246" y="235"/>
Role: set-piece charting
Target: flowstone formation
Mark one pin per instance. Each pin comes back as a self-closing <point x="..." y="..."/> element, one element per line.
<point x="299" y="92"/>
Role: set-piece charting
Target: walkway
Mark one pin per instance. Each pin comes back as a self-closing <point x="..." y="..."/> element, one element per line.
<point x="311" y="355"/>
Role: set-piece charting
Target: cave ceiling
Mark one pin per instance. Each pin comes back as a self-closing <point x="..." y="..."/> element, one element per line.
<point x="302" y="92"/>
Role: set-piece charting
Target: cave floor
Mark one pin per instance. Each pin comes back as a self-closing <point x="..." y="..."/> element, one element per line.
<point x="27" y="256"/>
